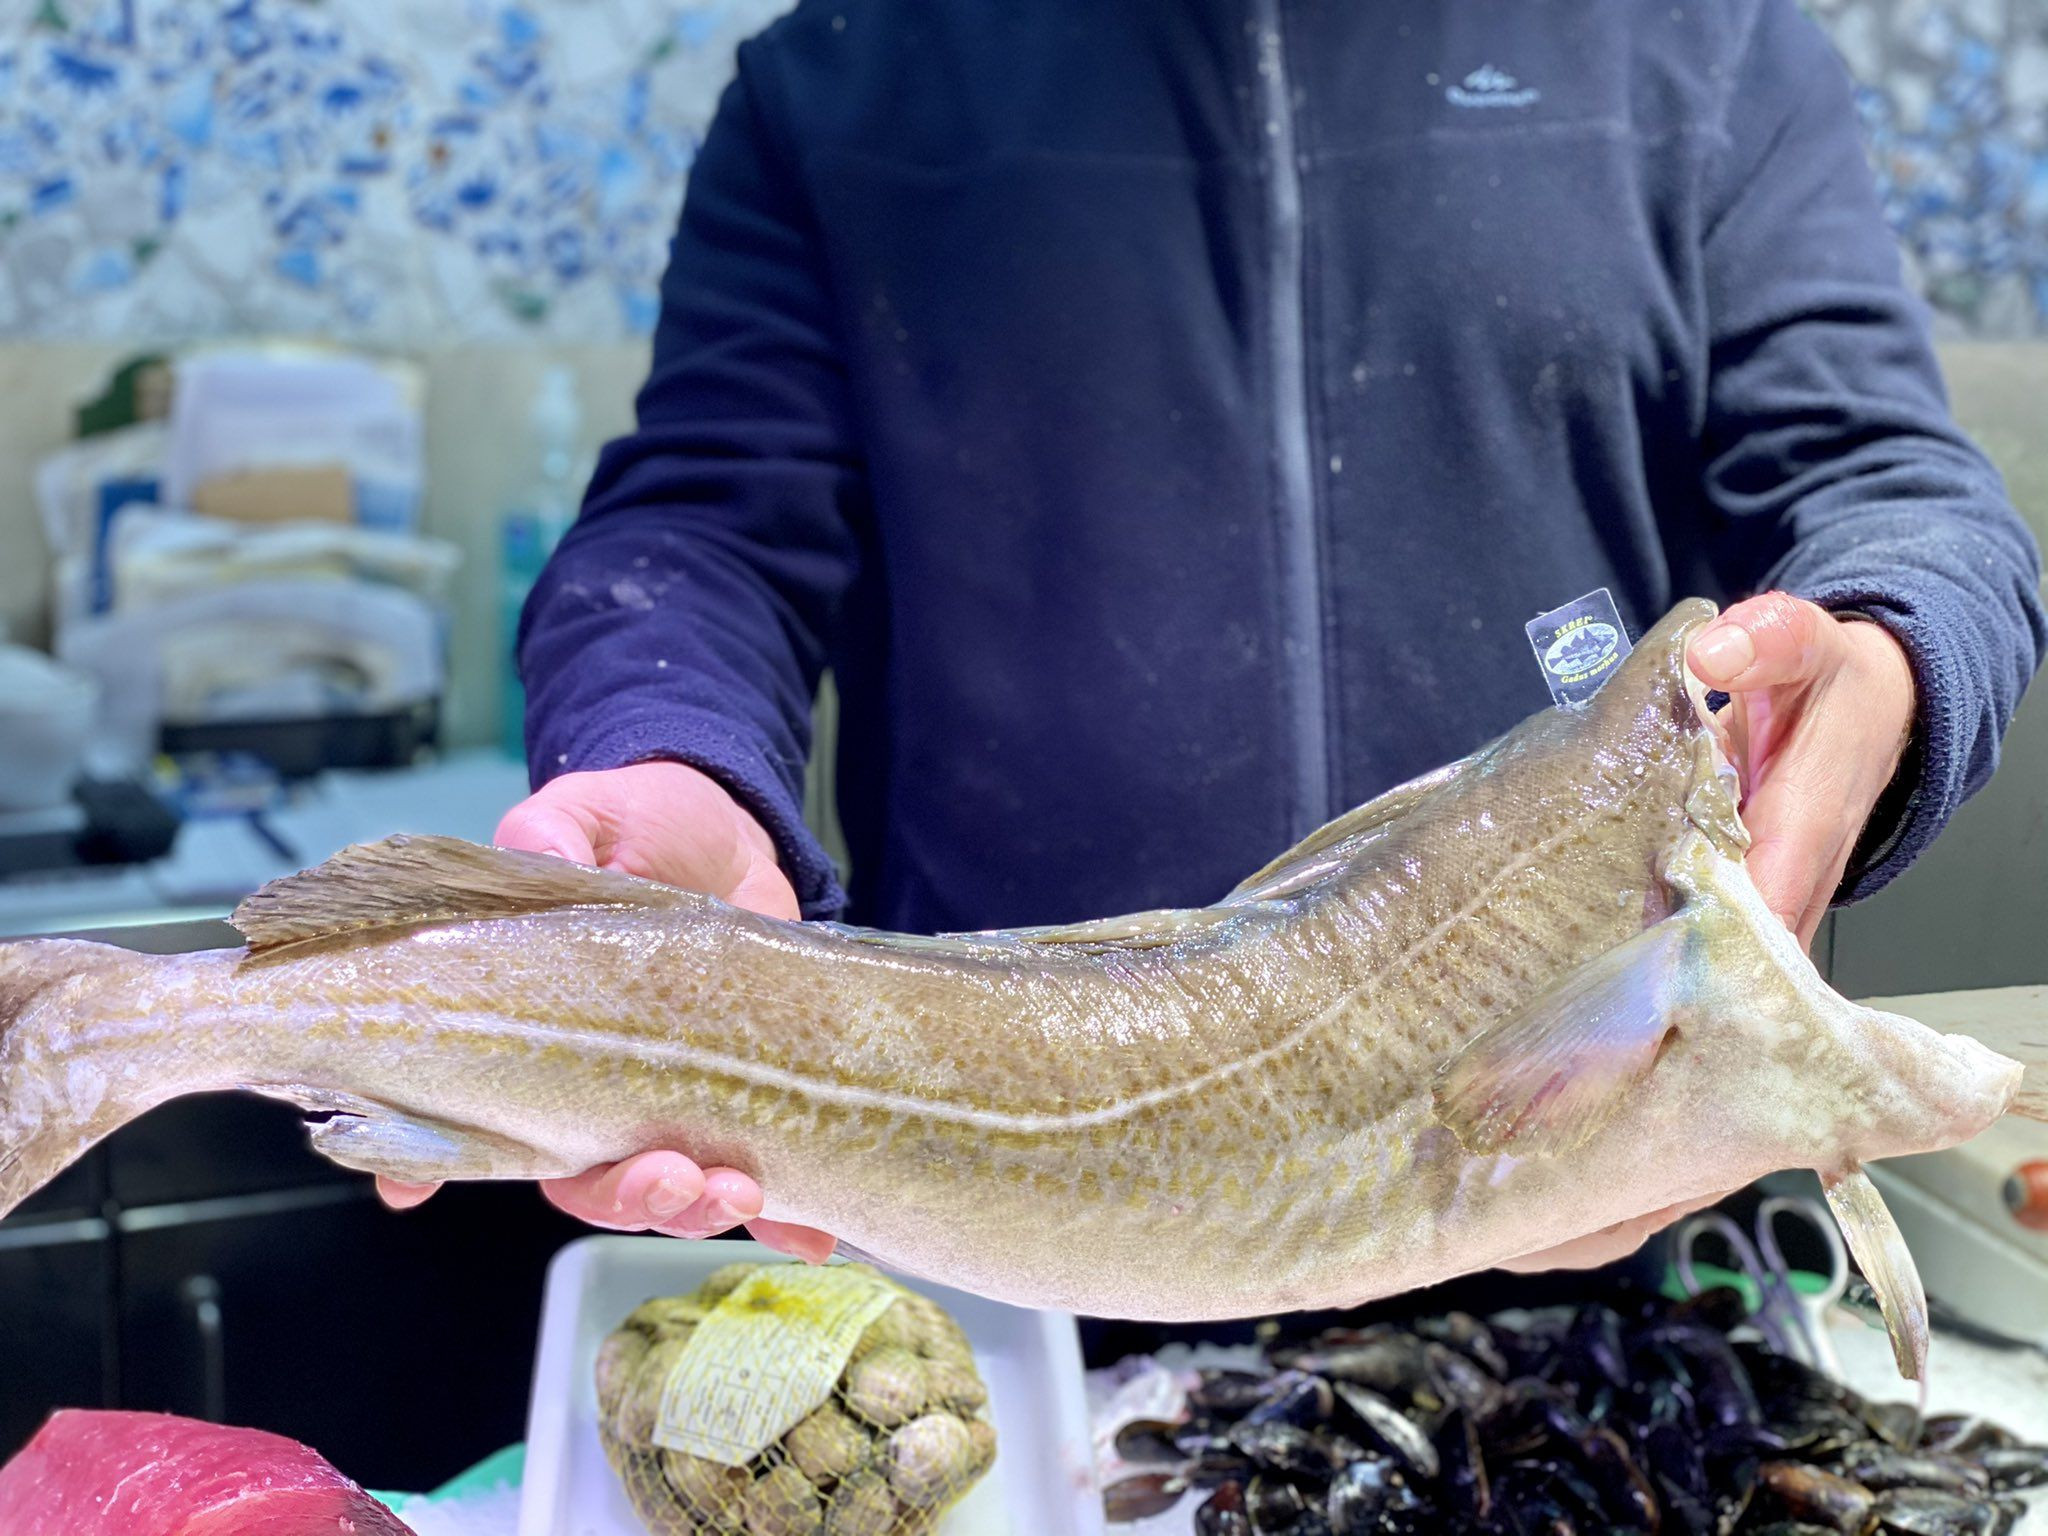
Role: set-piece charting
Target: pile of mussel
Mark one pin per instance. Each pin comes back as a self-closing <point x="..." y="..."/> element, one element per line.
<point x="1642" y="1417"/>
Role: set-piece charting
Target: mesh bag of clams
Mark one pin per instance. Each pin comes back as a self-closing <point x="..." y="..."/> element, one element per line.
<point x="785" y="1400"/>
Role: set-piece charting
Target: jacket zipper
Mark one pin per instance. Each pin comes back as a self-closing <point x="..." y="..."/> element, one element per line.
<point x="1302" y="643"/>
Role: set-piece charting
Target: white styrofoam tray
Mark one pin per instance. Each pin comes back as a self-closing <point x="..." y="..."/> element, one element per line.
<point x="1043" y="1482"/>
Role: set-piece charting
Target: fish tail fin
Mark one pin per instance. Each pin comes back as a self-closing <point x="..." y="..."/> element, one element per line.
<point x="47" y="1119"/>
<point x="1880" y="1251"/>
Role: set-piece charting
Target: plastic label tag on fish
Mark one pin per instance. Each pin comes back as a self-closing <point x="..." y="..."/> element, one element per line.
<point x="764" y="1358"/>
<point x="1579" y="645"/>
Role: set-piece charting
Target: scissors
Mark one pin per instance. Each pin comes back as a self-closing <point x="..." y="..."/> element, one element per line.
<point x="1792" y="1322"/>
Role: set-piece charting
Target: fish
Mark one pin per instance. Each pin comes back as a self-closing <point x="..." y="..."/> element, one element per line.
<point x="1526" y="997"/>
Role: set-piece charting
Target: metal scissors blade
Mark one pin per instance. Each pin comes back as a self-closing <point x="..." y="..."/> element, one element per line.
<point x="1804" y="1316"/>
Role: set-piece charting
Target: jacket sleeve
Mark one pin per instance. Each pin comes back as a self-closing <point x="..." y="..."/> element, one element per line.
<point x="1832" y="464"/>
<point x="684" y="615"/>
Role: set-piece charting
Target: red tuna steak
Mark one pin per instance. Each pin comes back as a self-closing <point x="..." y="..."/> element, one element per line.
<point x="89" y="1473"/>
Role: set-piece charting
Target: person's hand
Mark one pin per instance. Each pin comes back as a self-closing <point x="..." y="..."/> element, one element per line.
<point x="666" y="822"/>
<point x="1822" y="711"/>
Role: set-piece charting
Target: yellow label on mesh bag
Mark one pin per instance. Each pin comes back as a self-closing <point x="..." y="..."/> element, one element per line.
<point x="765" y="1357"/>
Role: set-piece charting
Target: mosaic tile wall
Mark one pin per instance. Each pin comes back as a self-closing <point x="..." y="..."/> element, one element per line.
<point x="1955" y="100"/>
<point x="376" y="170"/>
<point x="387" y="170"/>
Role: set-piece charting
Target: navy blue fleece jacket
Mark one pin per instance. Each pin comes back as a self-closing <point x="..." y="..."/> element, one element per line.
<point x="1164" y="416"/>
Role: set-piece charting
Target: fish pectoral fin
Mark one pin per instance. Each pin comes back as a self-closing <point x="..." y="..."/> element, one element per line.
<point x="1329" y="847"/>
<point x="1543" y="1080"/>
<point x="403" y="882"/>
<point x="1881" y="1253"/>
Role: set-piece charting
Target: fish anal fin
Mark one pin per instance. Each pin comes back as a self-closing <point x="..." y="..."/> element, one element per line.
<point x="1880" y="1252"/>
<point x="1544" y="1080"/>
<point x="404" y="881"/>
<point x="1324" y="849"/>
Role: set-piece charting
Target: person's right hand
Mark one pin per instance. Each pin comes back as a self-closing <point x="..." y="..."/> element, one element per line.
<point x="667" y="822"/>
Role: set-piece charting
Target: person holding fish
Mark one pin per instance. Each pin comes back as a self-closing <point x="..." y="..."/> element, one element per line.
<point x="1162" y="419"/>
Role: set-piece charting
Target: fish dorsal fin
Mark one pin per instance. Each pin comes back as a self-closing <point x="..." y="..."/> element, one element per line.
<point x="402" y="882"/>
<point x="1138" y="930"/>
<point x="1327" y="849"/>
<point x="1544" y="1079"/>
<point x="1881" y="1253"/>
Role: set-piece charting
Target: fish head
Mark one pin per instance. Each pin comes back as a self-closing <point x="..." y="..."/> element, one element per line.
<point x="1928" y="1090"/>
<point x="1825" y="1079"/>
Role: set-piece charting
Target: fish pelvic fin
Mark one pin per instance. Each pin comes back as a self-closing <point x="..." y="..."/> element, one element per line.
<point x="1545" y="1079"/>
<point x="48" y="1119"/>
<point x="1880" y="1252"/>
<point x="403" y="882"/>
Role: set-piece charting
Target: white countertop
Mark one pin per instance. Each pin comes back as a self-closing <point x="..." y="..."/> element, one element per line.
<point x="218" y="861"/>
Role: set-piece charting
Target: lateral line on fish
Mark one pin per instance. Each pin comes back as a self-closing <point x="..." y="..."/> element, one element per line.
<point x="593" y="1042"/>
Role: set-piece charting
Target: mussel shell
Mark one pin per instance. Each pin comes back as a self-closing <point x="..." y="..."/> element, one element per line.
<point x="1142" y="1496"/>
<point x="1461" y="1381"/>
<point x="1298" y="1398"/>
<point x="1963" y="1433"/>
<point x="1361" y="1492"/>
<point x="1384" y="1358"/>
<point x="1467" y="1489"/>
<point x="1470" y="1337"/>
<point x="1628" y="1500"/>
<point x="1381" y="1423"/>
<point x="1225" y="1463"/>
<point x="1151" y="1442"/>
<point x="1879" y="1467"/>
<point x="2014" y="1466"/>
<point x="1818" y="1430"/>
<point x="1816" y="1495"/>
<point x="1229" y="1395"/>
<point x="1223" y="1513"/>
<point x="1276" y="1506"/>
<point x="1931" y="1512"/>
<point x="1520" y="1423"/>
<point x="1284" y="1448"/>
<point x="1593" y="1349"/>
<point x="1672" y="1454"/>
<point x="1720" y="1382"/>
<point x="1896" y="1424"/>
<point x="1720" y="1307"/>
<point x="1527" y="1503"/>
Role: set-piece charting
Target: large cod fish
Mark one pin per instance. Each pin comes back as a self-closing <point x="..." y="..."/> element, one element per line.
<point x="1524" y="998"/>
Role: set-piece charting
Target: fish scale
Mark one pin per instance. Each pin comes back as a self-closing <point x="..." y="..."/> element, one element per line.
<point x="1527" y="998"/>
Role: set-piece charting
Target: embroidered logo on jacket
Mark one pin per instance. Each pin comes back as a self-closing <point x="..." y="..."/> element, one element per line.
<point x="1490" y="87"/>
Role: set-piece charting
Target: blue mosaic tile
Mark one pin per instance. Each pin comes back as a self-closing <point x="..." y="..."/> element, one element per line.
<point x="470" y="168"/>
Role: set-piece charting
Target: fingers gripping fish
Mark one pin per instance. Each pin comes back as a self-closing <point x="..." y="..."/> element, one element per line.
<point x="1525" y="998"/>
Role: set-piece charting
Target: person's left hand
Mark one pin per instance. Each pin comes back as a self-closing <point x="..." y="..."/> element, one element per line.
<point x="1823" y="709"/>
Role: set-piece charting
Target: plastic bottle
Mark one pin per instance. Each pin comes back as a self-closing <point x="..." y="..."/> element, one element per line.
<point x="533" y="524"/>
